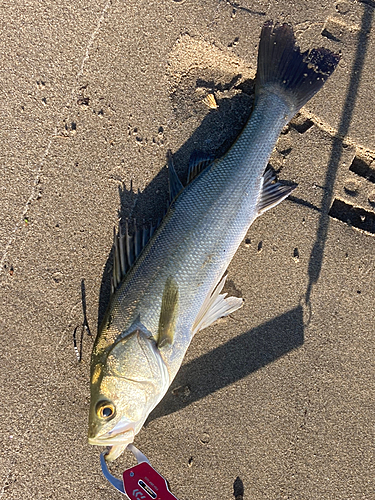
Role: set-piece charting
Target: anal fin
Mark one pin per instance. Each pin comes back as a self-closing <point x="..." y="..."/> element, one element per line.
<point x="273" y="192"/>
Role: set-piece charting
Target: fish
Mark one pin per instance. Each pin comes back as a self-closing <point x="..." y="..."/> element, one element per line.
<point x="168" y="281"/>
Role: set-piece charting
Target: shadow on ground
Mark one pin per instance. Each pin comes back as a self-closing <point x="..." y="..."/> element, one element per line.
<point x="232" y="361"/>
<point x="316" y="257"/>
<point x="253" y="349"/>
<point x="266" y="343"/>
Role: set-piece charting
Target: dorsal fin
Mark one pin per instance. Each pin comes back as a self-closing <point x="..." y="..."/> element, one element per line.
<point x="272" y="192"/>
<point x="175" y="185"/>
<point x="128" y="247"/>
<point x="198" y="162"/>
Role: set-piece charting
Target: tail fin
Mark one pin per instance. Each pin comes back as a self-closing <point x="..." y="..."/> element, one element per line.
<point x="281" y="63"/>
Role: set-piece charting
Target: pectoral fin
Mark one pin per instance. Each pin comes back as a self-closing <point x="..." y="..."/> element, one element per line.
<point x="168" y="314"/>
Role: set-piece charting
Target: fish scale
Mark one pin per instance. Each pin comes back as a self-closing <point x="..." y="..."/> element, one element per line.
<point x="174" y="287"/>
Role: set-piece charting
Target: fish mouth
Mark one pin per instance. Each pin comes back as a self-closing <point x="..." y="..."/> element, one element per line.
<point x="112" y="438"/>
<point x="115" y="444"/>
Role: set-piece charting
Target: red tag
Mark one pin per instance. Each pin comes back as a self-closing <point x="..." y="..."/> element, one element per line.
<point x="142" y="482"/>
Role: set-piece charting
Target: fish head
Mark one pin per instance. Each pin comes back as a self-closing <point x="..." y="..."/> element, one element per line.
<point x="125" y="387"/>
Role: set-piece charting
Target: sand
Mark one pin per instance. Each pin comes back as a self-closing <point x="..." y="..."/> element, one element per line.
<point x="274" y="402"/>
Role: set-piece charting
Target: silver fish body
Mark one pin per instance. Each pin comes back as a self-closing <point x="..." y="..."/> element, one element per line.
<point x="173" y="289"/>
<point x="201" y="233"/>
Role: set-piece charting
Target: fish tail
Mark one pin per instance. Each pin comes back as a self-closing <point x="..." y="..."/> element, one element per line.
<point x="283" y="68"/>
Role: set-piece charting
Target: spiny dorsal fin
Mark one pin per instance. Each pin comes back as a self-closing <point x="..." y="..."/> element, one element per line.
<point x="127" y="248"/>
<point x="272" y="192"/>
<point x="197" y="163"/>
<point x="175" y="185"/>
<point x="216" y="306"/>
<point x="168" y="313"/>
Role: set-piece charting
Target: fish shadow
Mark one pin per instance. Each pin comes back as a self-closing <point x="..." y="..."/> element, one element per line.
<point x="250" y="351"/>
<point x="233" y="361"/>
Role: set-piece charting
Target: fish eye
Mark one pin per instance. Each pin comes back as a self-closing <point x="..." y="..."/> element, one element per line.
<point x="105" y="410"/>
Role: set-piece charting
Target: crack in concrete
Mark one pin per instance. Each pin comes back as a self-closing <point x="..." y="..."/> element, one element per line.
<point x="27" y="204"/>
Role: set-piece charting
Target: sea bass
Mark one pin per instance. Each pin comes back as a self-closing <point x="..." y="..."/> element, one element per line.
<point x="167" y="286"/>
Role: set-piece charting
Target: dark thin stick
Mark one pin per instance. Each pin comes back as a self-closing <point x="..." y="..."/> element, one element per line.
<point x="84" y="327"/>
<point x="85" y="321"/>
<point x="78" y="352"/>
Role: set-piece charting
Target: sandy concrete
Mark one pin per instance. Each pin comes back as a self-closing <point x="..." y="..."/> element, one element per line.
<point x="281" y="394"/>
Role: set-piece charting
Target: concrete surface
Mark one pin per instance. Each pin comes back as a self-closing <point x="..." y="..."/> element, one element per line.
<point x="275" y="402"/>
